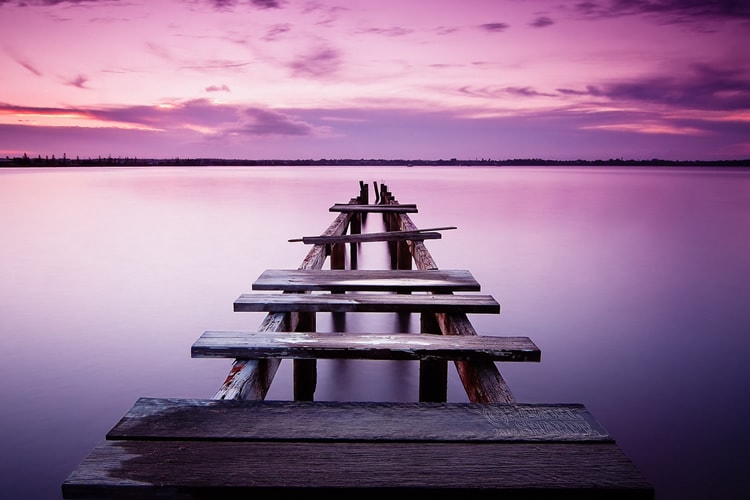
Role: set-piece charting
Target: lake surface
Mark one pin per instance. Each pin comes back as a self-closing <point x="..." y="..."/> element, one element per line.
<point x="634" y="282"/>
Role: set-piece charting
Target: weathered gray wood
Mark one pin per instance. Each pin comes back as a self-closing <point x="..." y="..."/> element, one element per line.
<point x="482" y="380"/>
<point x="231" y="469"/>
<point x="318" y="345"/>
<point x="366" y="302"/>
<point x="251" y="379"/>
<point x="176" y="448"/>
<point x="203" y="419"/>
<point x="350" y="208"/>
<point x="369" y="237"/>
<point x="380" y="280"/>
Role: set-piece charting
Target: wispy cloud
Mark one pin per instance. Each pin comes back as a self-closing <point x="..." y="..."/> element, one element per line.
<point x="321" y="62"/>
<point x="445" y="30"/>
<point x="542" y="22"/>
<point x="267" y="4"/>
<point x="203" y="65"/>
<point x="494" y="27"/>
<point x="265" y="122"/>
<point x="217" y="88"/>
<point x="669" y="10"/>
<point x="197" y="128"/>
<point x="24" y="3"/>
<point x="22" y="61"/>
<point x="276" y="31"/>
<point x="704" y="87"/>
<point x="198" y="115"/>
<point x="79" y="82"/>
<point x="224" y="5"/>
<point x="393" y="31"/>
<point x="501" y="91"/>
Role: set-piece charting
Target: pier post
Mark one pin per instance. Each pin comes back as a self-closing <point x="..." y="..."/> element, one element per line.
<point x="433" y="373"/>
<point x="305" y="370"/>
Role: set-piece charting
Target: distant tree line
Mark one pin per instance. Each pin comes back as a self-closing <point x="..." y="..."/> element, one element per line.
<point x="109" y="161"/>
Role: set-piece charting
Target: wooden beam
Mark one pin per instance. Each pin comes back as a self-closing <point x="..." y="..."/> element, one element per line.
<point x="482" y="380"/>
<point x="350" y="208"/>
<point x="232" y="470"/>
<point x="362" y="280"/>
<point x="175" y="418"/>
<point x="369" y="237"/>
<point x="196" y="449"/>
<point x="251" y="379"/>
<point x="404" y="346"/>
<point x="366" y="302"/>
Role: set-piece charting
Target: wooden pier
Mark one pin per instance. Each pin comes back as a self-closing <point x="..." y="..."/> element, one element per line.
<point x="240" y="445"/>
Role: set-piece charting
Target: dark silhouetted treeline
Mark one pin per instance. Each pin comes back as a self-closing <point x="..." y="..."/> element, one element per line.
<point x="109" y="161"/>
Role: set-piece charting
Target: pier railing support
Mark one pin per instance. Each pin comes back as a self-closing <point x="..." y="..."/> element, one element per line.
<point x="251" y="379"/>
<point x="482" y="381"/>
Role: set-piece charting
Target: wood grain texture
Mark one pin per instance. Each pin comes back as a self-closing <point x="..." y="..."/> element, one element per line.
<point x="201" y="419"/>
<point x="482" y="381"/>
<point x="359" y="280"/>
<point x="186" y="448"/>
<point x="371" y="237"/>
<point x="251" y="379"/>
<point x="316" y="345"/>
<point x="350" y="208"/>
<point x="231" y="469"/>
<point x="366" y="302"/>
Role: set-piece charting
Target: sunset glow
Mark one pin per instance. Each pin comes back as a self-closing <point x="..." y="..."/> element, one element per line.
<point x="375" y="79"/>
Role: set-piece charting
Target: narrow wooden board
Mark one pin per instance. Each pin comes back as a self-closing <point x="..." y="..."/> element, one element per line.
<point x="370" y="237"/>
<point x="341" y="280"/>
<point x="235" y="470"/>
<point x="314" y="345"/>
<point x="210" y="419"/>
<point x="366" y="302"/>
<point x="400" y="208"/>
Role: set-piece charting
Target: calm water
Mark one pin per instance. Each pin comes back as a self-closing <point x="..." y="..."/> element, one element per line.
<point x="633" y="282"/>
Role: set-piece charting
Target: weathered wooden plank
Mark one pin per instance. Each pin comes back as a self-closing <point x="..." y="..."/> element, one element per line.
<point x="353" y="280"/>
<point x="349" y="208"/>
<point x="384" y="236"/>
<point x="366" y="302"/>
<point x="317" y="345"/>
<point x="370" y="237"/>
<point x="231" y="469"/>
<point x="202" y="419"/>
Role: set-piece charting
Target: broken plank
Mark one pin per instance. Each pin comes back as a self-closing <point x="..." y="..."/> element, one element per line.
<point x="404" y="346"/>
<point x="369" y="237"/>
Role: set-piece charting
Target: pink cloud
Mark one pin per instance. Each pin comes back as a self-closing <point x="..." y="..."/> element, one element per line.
<point x="321" y="62"/>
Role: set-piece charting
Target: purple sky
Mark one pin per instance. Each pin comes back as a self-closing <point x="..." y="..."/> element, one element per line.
<point x="432" y="79"/>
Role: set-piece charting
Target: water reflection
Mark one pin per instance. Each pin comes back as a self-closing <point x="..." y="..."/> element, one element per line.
<point x="633" y="282"/>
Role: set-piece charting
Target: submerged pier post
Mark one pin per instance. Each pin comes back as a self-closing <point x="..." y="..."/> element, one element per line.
<point x="433" y="373"/>
<point x="305" y="370"/>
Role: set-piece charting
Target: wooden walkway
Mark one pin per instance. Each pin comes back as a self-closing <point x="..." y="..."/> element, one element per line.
<point x="238" y="444"/>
